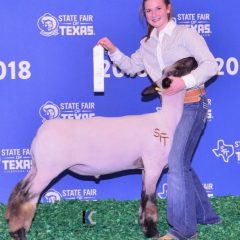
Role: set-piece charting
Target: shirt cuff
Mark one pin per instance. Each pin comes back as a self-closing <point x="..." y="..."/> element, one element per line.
<point x="116" y="56"/>
<point x="189" y="81"/>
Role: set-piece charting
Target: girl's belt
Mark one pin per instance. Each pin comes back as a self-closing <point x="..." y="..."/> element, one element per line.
<point x="193" y="95"/>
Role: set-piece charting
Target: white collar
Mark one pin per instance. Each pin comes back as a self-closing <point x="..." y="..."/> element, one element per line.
<point x="168" y="29"/>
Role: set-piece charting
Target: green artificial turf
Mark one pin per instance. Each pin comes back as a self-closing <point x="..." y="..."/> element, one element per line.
<point x="117" y="220"/>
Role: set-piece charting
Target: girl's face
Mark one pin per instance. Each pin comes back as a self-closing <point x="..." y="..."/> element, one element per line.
<point x="156" y="12"/>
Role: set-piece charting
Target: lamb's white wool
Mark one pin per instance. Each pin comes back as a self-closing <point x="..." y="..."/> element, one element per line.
<point x="103" y="145"/>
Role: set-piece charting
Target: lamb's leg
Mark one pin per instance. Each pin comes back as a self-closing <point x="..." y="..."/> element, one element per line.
<point x="22" y="202"/>
<point x="140" y="212"/>
<point x="148" y="212"/>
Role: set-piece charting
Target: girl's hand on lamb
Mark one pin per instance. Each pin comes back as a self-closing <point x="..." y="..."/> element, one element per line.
<point x="176" y="86"/>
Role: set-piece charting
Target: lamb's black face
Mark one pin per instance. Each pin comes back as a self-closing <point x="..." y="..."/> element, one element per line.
<point x="180" y="68"/>
<point x="166" y="82"/>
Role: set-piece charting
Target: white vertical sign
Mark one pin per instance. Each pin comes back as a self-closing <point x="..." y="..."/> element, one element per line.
<point x="98" y="68"/>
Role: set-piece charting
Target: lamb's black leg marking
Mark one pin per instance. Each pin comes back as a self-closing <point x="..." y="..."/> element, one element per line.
<point x="148" y="215"/>
<point x="19" y="235"/>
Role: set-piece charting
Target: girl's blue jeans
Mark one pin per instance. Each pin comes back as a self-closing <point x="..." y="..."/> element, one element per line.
<point x="187" y="201"/>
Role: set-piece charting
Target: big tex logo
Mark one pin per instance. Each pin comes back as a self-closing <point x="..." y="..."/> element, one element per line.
<point x="67" y="110"/>
<point x="66" y="25"/>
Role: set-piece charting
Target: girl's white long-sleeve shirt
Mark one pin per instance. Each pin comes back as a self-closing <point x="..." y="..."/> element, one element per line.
<point x="173" y="43"/>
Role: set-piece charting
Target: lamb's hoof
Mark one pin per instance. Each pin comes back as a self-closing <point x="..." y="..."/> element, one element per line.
<point x="19" y="235"/>
<point x="152" y="234"/>
<point x="150" y="90"/>
<point x="150" y="229"/>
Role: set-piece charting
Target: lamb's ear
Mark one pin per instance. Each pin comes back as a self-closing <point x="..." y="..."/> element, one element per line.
<point x="150" y="90"/>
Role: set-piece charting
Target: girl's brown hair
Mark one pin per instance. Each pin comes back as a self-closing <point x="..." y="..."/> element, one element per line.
<point x="150" y="28"/>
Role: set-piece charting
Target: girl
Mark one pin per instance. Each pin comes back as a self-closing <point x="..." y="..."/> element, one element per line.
<point x="165" y="43"/>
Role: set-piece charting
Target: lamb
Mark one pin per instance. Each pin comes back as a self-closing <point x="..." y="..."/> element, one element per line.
<point x="97" y="146"/>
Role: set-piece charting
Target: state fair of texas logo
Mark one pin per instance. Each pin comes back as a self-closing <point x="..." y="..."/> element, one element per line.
<point x="226" y="151"/>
